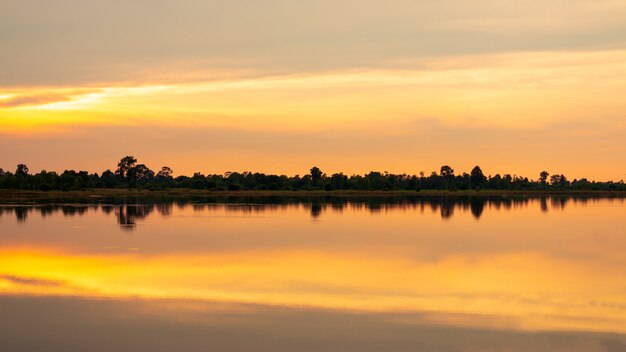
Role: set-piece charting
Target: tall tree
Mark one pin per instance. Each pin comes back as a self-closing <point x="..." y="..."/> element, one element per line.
<point x="446" y="171"/>
<point x="316" y="175"/>
<point x="165" y="172"/>
<point x="477" y="178"/>
<point x="555" y="179"/>
<point x="22" y="170"/>
<point x="447" y="177"/>
<point x="125" y="165"/>
<point x="140" y="173"/>
<point x="543" y="177"/>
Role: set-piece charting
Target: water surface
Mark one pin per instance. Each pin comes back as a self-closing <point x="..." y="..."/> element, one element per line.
<point x="315" y="274"/>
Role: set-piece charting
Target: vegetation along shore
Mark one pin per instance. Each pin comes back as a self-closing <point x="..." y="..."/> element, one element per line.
<point x="131" y="178"/>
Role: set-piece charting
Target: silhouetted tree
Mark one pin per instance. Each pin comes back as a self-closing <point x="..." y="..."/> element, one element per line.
<point x="543" y="177"/>
<point x="555" y="180"/>
<point x="447" y="178"/>
<point x="129" y="174"/>
<point x="125" y="165"/>
<point x="109" y="179"/>
<point x="446" y="171"/>
<point x="22" y="170"/>
<point x="140" y="173"/>
<point x="477" y="178"/>
<point x="165" y="172"/>
<point x="316" y="175"/>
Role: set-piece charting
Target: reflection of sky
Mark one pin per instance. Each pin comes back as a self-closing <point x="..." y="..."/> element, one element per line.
<point x="161" y="326"/>
<point x="561" y="269"/>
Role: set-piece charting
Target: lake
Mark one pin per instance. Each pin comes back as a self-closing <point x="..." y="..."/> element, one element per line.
<point x="544" y="273"/>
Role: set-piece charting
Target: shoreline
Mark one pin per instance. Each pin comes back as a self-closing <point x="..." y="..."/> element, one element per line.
<point x="96" y="194"/>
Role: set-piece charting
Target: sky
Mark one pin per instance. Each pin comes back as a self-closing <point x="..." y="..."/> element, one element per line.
<point x="279" y="86"/>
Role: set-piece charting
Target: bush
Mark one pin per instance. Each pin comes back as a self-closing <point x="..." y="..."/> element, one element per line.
<point x="234" y="187"/>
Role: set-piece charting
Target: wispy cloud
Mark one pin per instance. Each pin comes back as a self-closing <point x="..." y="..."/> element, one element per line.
<point x="31" y="281"/>
<point x="29" y="100"/>
<point x="69" y="43"/>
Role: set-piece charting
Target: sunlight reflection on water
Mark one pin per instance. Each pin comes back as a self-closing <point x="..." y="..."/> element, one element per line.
<point x="463" y="273"/>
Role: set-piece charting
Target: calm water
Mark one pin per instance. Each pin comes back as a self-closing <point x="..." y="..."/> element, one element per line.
<point x="278" y="274"/>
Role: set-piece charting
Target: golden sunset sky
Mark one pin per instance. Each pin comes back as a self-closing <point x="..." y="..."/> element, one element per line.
<point x="280" y="86"/>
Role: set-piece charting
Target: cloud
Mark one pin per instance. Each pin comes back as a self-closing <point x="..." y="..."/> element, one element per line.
<point x="117" y="41"/>
<point x="27" y="100"/>
<point x="510" y="113"/>
<point x="30" y="281"/>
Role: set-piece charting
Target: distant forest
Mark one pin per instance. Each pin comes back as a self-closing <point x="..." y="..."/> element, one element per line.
<point x="130" y="174"/>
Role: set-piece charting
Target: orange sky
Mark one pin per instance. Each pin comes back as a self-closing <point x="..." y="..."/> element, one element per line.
<point x="212" y="88"/>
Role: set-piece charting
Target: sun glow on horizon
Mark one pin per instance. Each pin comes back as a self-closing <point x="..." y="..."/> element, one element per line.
<point x="476" y="97"/>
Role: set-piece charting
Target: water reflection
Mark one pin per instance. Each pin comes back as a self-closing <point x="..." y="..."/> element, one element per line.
<point x="501" y="263"/>
<point x="164" y="326"/>
<point x="130" y="214"/>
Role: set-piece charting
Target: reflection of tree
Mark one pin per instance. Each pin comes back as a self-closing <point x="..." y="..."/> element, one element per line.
<point x="477" y="205"/>
<point x="337" y="206"/>
<point x="21" y="213"/>
<point x="127" y="215"/>
<point x="71" y="210"/>
<point x="447" y="209"/>
<point x="316" y="210"/>
<point x="543" y="204"/>
<point x="198" y="207"/>
<point x="165" y="209"/>
<point x="559" y="202"/>
<point x="375" y="206"/>
<point x="47" y="210"/>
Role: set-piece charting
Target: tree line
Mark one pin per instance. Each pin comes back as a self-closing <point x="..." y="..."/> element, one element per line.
<point x="130" y="174"/>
